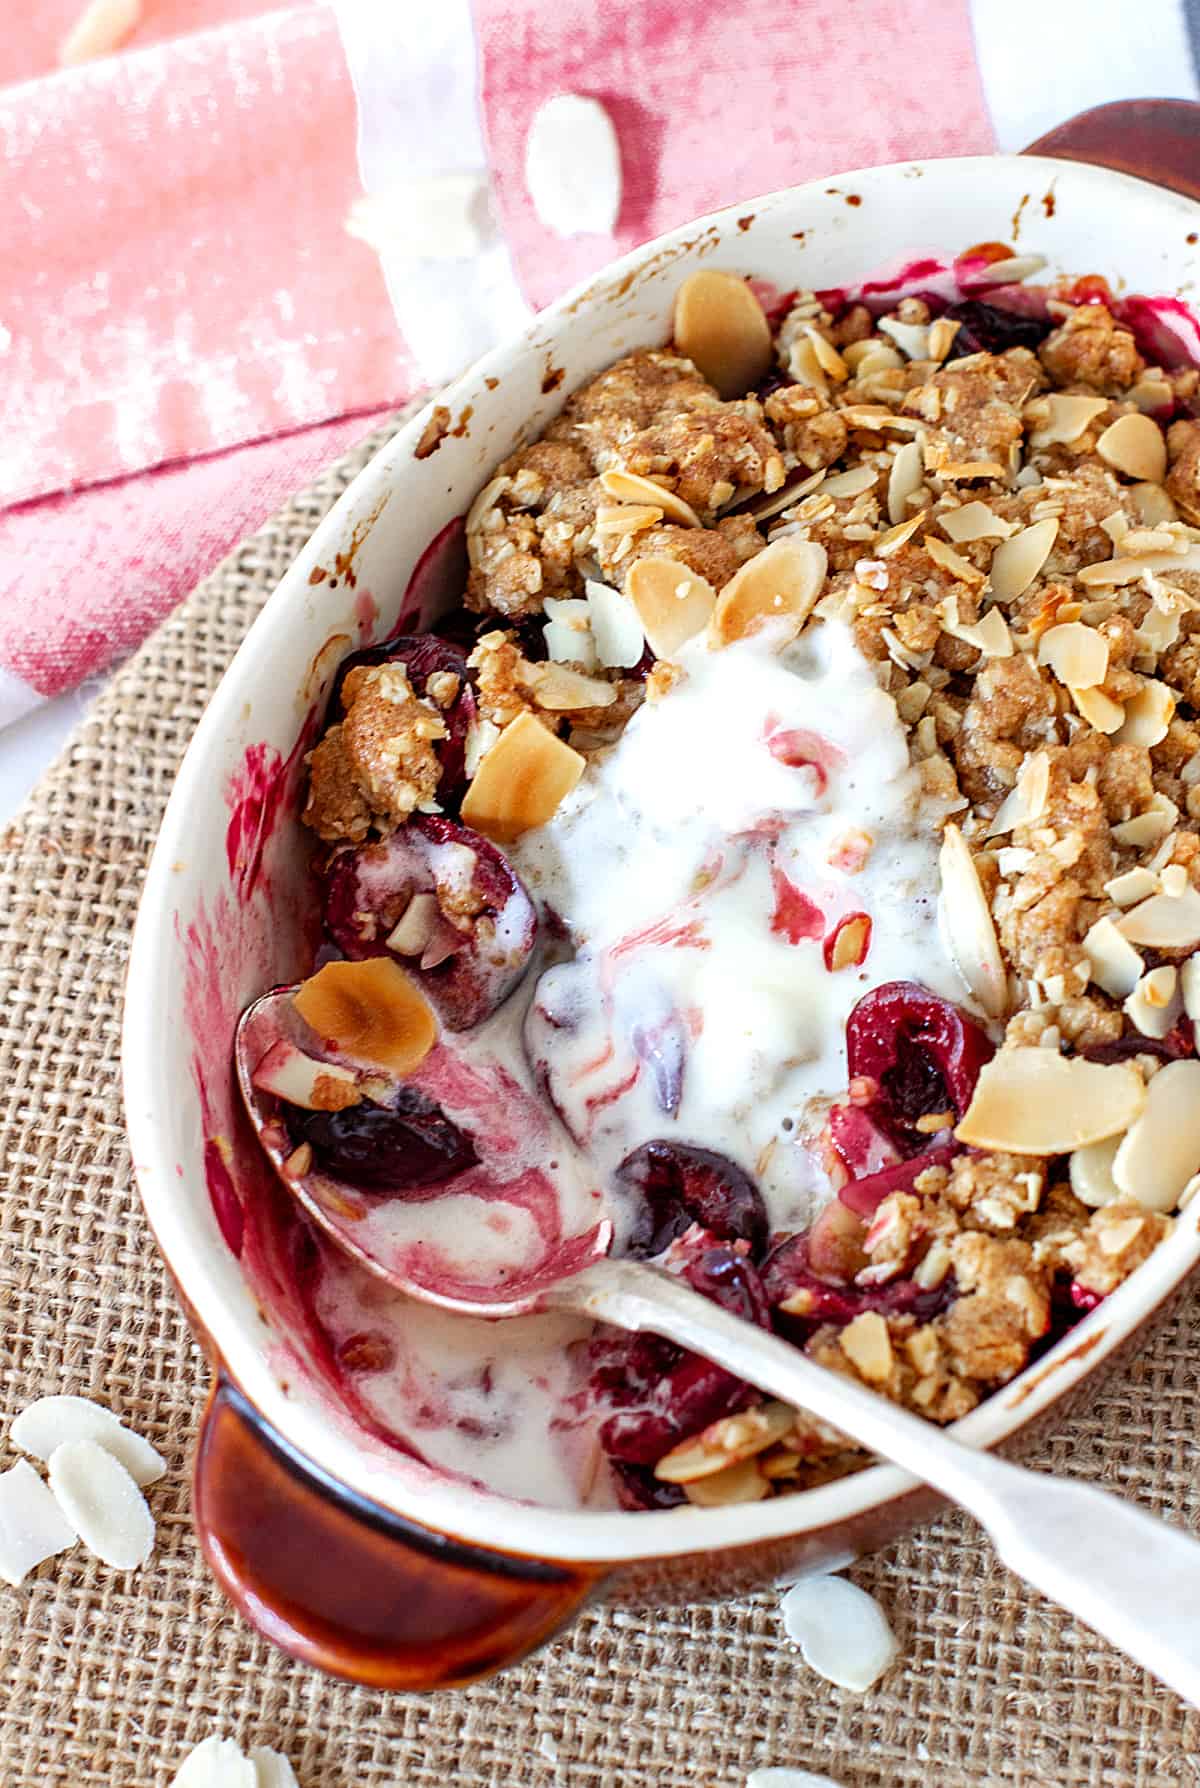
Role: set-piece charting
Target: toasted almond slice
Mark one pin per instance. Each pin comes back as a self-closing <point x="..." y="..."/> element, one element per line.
<point x="487" y="499"/>
<point x="216" y="1763"/>
<point x="1148" y="715"/>
<point x="1153" y="505"/>
<point x="1148" y="827"/>
<point x="102" y="1503"/>
<point x="786" y="497"/>
<point x="672" y="603"/>
<point x="852" y="483"/>
<point x="1016" y="562"/>
<point x="912" y="339"/>
<point x="304" y="1080"/>
<point x="1115" y="964"/>
<point x="841" y="1630"/>
<point x="631" y="487"/>
<point x="1091" y="1173"/>
<point x="1027" y="801"/>
<point x="856" y="353"/>
<point x="953" y="562"/>
<point x="1033" y="1102"/>
<point x="956" y="470"/>
<point x="1189" y="987"/>
<point x="520" y="781"/>
<point x="1066" y="417"/>
<point x="616" y="629"/>
<point x="777" y="587"/>
<point x="904" y="480"/>
<point x="1161" y="1151"/>
<point x="1155" y="1004"/>
<point x="878" y="417"/>
<point x="1134" y="885"/>
<point x="968" y="925"/>
<point x="892" y="539"/>
<point x="627" y="518"/>
<point x="974" y="521"/>
<point x="1134" y="444"/>
<point x="1174" y="880"/>
<point x="868" y="1346"/>
<point x="1164" y="922"/>
<point x="828" y="358"/>
<point x="726" y="1442"/>
<point x="1098" y="709"/>
<point x="1111" y="573"/>
<point x="743" y="1482"/>
<point x="1009" y="271"/>
<point x="941" y="337"/>
<point x="561" y="690"/>
<point x="46" y="1424"/>
<point x="32" y="1526"/>
<point x="849" y="943"/>
<point x="370" y="1011"/>
<point x="419" y="921"/>
<point x="720" y="325"/>
<point x="1077" y="655"/>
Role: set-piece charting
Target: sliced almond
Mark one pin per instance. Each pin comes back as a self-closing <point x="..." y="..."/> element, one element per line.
<point x="560" y="689"/>
<point x="520" y="781"/>
<point x="1148" y="715"/>
<point x="878" y="417"/>
<point x="941" y="337"/>
<point x="1148" y="827"/>
<point x="672" y="603"/>
<point x="726" y="1442"/>
<point x="1114" y="963"/>
<point x="849" y="943"/>
<point x="841" y="1630"/>
<point x="1016" y="562"/>
<point x="303" y="1080"/>
<point x="1025" y="803"/>
<point x="968" y="925"/>
<point x="1153" y="505"/>
<point x="102" y="1503"/>
<point x="271" y="1768"/>
<point x="720" y="325"/>
<point x="911" y="338"/>
<point x="568" y="644"/>
<point x="1155" y="1004"/>
<point x="631" y="487"/>
<point x="1134" y="885"/>
<point x="867" y="1344"/>
<point x="743" y="1482"/>
<point x="1033" y="1102"/>
<point x="1134" y="444"/>
<point x="778" y="587"/>
<point x="410" y="937"/>
<point x="616" y="628"/>
<point x="216" y="1763"/>
<point x="904" y="480"/>
<point x="1111" y="573"/>
<point x="32" y="1526"/>
<point x="828" y="358"/>
<point x="1077" y="655"/>
<point x="856" y="353"/>
<point x="1189" y="987"/>
<point x="853" y="483"/>
<point x="1162" y="1149"/>
<point x="1090" y="1169"/>
<point x="487" y="500"/>
<point x="370" y="1011"/>
<point x="1010" y="271"/>
<point x="953" y="562"/>
<point x="44" y="1426"/>
<point x="1063" y="417"/>
<point x="974" y="521"/>
<point x="892" y="539"/>
<point x="1098" y="709"/>
<point x="1164" y="922"/>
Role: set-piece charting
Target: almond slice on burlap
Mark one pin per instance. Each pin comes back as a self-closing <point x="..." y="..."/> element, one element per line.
<point x="44" y="1425"/>
<point x="841" y="1630"/>
<point x="968" y="925"/>
<point x="521" y="781"/>
<point x="1134" y="444"/>
<point x="631" y="487"/>
<point x="777" y="588"/>
<point x="102" y="1503"/>
<point x="672" y="602"/>
<point x="1033" y="1102"/>
<point x="216" y="1763"/>
<point x="370" y="1011"/>
<point x="720" y="325"/>
<point x="1161" y="1150"/>
<point x="32" y="1526"/>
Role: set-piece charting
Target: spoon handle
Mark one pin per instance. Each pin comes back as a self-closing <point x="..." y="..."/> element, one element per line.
<point x="1125" y="1574"/>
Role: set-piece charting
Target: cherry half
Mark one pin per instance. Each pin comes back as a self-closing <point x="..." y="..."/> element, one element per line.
<point x="409" y="1143"/>
<point x="923" y="1054"/>
<point x="678" y="1185"/>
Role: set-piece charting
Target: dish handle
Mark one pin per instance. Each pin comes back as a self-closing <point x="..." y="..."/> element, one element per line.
<point x="340" y="1583"/>
<point x="1155" y="139"/>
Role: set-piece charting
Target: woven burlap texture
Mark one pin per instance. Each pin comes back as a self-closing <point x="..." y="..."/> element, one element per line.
<point x="110" y="1679"/>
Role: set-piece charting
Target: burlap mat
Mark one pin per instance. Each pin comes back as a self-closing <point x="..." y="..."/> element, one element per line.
<point x="110" y="1679"/>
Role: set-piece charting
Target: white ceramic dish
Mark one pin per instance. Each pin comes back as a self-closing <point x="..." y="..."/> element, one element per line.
<point x="210" y="935"/>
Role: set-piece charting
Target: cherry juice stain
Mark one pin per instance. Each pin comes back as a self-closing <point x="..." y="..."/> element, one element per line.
<point x="256" y="794"/>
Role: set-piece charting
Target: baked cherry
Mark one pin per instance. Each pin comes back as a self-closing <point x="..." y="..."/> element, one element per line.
<point x="406" y="1145"/>
<point x="423" y="655"/>
<point x="923" y="1054"/>
<point x="865" y="1195"/>
<point x="442" y="899"/>
<point x="678" y="1185"/>
<point x="788" y="1277"/>
<point x="986" y="329"/>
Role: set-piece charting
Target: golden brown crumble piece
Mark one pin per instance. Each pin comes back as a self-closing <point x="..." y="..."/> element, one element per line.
<point x="1012" y="712"/>
<point x="712" y="553"/>
<point x="632" y="393"/>
<point x="996" y="1190"/>
<point x="1003" y="1305"/>
<point x="1183" y="478"/>
<point x="973" y="411"/>
<point x="508" y="684"/>
<point x="812" y="431"/>
<point x="710" y="458"/>
<point x="388" y="737"/>
<point x="1090" y="348"/>
<point x="337" y="809"/>
<point x="1119" y="1237"/>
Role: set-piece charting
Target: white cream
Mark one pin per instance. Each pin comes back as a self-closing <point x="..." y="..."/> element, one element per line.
<point x="666" y="865"/>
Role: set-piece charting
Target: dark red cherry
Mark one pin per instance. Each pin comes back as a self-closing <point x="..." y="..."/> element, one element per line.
<point x="678" y="1185"/>
<point x="407" y="1145"/>
<point x="478" y="946"/>
<point x="638" y="1488"/>
<point x="923" y="1053"/>
<point x="986" y="329"/>
<point x="865" y="1195"/>
<point x="788" y="1274"/>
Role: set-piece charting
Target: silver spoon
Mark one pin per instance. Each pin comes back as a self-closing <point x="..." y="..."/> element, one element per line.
<point x="1125" y="1574"/>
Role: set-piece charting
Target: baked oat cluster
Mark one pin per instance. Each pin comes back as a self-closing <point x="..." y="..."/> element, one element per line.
<point x="1002" y="500"/>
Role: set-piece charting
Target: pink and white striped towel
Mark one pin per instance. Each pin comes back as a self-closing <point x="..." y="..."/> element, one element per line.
<point x="188" y="329"/>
